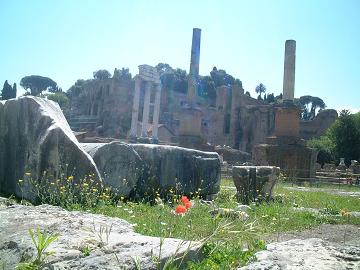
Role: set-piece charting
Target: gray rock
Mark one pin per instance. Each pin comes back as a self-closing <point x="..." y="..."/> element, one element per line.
<point x="35" y="137"/>
<point x="79" y="230"/>
<point x="249" y="187"/>
<point x="119" y="164"/>
<point x="306" y="254"/>
<point x="186" y="170"/>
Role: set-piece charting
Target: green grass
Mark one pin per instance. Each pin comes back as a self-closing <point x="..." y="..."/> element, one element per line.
<point x="265" y="218"/>
<point x="225" y="248"/>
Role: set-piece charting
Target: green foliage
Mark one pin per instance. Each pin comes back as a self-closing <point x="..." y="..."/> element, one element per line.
<point x="67" y="191"/>
<point x="342" y="140"/>
<point x="220" y="77"/>
<point x="309" y="106"/>
<point x="345" y="133"/>
<point x="41" y="243"/>
<point x="122" y="74"/>
<point x="326" y="149"/>
<point x="60" y="98"/>
<point x="37" y="84"/>
<point x="8" y="92"/>
<point x="101" y="74"/>
<point x="76" y="89"/>
<point x="260" y="89"/>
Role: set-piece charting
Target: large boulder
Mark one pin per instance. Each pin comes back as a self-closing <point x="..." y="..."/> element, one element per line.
<point x="35" y="137"/>
<point x="119" y="164"/>
<point x="182" y="169"/>
<point x="111" y="243"/>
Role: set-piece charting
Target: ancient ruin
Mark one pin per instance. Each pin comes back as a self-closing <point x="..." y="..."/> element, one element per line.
<point x="108" y="108"/>
<point x="286" y="149"/>
<point x="149" y="76"/>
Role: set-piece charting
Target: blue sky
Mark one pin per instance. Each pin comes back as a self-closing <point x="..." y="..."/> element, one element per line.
<point x="68" y="40"/>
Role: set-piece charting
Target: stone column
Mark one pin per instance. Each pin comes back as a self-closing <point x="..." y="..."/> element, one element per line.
<point x="194" y="66"/>
<point x="156" y="114"/>
<point x="289" y="70"/>
<point x="195" y="53"/>
<point x="135" y="109"/>
<point x="145" y="119"/>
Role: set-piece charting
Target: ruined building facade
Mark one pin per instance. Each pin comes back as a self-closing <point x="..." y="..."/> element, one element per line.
<point x="103" y="108"/>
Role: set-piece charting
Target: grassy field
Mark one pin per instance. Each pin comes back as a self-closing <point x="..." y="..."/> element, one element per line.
<point x="234" y="233"/>
<point x="229" y="237"/>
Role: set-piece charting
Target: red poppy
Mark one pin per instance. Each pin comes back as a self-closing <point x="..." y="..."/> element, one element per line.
<point x="180" y="209"/>
<point x="188" y="205"/>
<point x="184" y="199"/>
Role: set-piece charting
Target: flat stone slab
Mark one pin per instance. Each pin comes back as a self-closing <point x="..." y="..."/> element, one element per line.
<point x="312" y="253"/>
<point x="327" y="190"/>
<point x="79" y="230"/>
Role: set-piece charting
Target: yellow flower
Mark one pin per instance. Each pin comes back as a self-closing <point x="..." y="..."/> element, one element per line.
<point x="70" y="178"/>
<point x="28" y="173"/>
<point x="85" y="184"/>
<point x="94" y="189"/>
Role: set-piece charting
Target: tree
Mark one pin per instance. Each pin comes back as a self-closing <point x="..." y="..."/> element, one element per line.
<point x="220" y="77"/>
<point x="122" y="74"/>
<point x="8" y="91"/>
<point x="38" y="84"/>
<point x="260" y="89"/>
<point x="309" y="106"/>
<point x="60" y="98"/>
<point x="76" y="89"/>
<point x="345" y="133"/>
<point x="101" y="74"/>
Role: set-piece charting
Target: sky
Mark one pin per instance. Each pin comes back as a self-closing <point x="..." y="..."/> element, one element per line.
<point x="67" y="40"/>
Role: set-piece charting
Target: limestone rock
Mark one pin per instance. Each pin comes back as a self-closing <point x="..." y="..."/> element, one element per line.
<point x="35" y="137"/>
<point x="312" y="253"/>
<point x="119" y="164"/>
<point x="80" y="230"/>
<point x="187" y="170"/>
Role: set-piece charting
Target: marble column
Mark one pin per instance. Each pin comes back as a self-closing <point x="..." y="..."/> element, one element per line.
<point x="135" y="109"/>
<point x="195" y="53"/>
<point x="194" y="66"/>
<point x="289" y="70"/>
<point x="156" y="114"/>
<point x="145" y="119"/>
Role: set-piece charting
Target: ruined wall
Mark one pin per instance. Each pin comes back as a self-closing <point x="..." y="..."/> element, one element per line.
<point x="105" y="103"/>
<point x="235" y="119"/>
<point x="317" y="127"/>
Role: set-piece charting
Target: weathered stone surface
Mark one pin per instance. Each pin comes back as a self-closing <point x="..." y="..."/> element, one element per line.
<point x="295" y="160"/>
<point x="119" y="164"/>
<point x="77" y="231"/>
<point x="185" y="169"/>
<point x="233" y="156"/>
<point x="252" y="182"/>
<point x="306" y="254"/>
<point x="35" y="137"/>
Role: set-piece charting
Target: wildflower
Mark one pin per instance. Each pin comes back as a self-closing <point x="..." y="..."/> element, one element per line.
<point x="94" y="189"/>
<point x="70" y="178"/>
<point x="85" y="184"/>
<point x="180" y="209"/>
<point x="28" y="173"/>
<point x="345" y="212"/>
<point x="20" y="181"/>
<point x="184" y="199"/>
<point x="163" y="223"/>
<point x="188" y="204"/>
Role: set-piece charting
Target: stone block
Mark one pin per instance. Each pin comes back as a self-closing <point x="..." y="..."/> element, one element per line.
<point x="254" y="182"/>
<point x="35" y="137"/>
